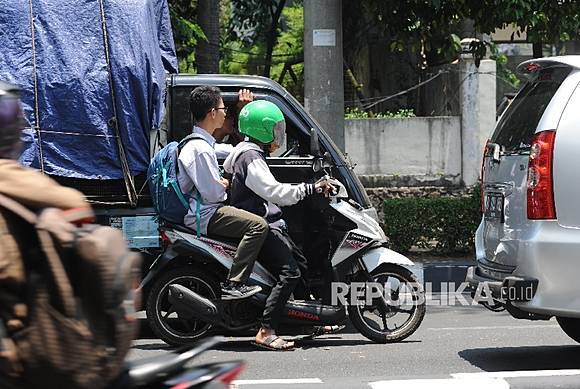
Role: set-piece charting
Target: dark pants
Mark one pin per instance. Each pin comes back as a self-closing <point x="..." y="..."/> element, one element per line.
<point x="285" y="260"/>
<point x="235" y="223"/>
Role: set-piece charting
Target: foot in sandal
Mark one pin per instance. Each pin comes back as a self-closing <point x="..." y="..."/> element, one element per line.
<point x="267" y="339"/>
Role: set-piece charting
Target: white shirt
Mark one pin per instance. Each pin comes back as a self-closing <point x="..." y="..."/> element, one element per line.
<point x="198" y="168"/>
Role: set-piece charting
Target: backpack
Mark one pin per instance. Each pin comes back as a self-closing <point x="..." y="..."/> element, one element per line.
<point x="78" y="295"/>
<point x="169" y="201"/>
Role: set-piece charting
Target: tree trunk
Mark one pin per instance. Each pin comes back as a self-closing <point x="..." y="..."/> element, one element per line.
<point x="537" y="50"/>
<point x="272" y="36"/>
<point x="208" y="18"/>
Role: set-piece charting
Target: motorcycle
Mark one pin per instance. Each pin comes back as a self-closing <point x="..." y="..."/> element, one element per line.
<point x="184" y="304"/>
<point x="169" y="371"/>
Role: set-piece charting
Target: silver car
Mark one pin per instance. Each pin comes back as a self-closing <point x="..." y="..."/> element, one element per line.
<point x="528" y="242"/>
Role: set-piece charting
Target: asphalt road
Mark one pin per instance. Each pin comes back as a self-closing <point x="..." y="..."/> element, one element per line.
<point x="455" y="347"/>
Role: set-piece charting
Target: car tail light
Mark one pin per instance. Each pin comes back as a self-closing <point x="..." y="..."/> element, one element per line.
<point x="228" y="378"/>
<point x="481" y="174"/>
<point x="540" y="177"/>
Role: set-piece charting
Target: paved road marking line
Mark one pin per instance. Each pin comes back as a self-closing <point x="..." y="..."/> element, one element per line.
<point x="290" y="381"/>
<point x="521" y="373"/>
<point x="494" y="327"/>
<point x="448" y="383"/>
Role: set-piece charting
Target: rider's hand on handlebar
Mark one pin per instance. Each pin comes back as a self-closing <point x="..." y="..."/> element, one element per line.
<point x="225" y="182"/>
<point x="323" y="186"/>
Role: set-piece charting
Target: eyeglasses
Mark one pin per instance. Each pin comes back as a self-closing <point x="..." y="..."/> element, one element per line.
<point x="224" y="108"/>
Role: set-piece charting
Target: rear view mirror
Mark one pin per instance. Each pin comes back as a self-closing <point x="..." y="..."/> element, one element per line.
<point x="314" y="145"/>
<point x="317" y="165"/>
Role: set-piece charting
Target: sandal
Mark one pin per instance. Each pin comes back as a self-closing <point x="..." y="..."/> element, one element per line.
<point x="322" y="330"/>
<point x="270" y="340"/>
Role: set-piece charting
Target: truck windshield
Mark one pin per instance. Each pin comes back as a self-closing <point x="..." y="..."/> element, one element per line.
<point x="517" y="126"/>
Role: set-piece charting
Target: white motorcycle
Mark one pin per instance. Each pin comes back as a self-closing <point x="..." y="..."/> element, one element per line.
<point x="374" y="284"/>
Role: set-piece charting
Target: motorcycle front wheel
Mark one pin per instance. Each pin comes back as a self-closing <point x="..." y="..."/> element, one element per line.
<point x="404" y="311"/>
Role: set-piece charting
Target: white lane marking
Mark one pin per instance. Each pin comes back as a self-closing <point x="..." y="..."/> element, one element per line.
<point x="520" y="373"/>
<point x="449" y="383"/>
<point x="494" y="327"/>
<point x="282" y="381"/>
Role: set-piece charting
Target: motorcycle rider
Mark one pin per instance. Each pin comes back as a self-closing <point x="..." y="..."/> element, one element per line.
<point x="35" y="191"/>
<point x="255" y="189"/>
<point x="198" y="168"/>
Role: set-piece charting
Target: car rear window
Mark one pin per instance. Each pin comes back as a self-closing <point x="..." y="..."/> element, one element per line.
<point x="517" y="126"/>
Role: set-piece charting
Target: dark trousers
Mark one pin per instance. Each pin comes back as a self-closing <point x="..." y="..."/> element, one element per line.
<point x="235" y="223"/>
<point x="285" y="260"/>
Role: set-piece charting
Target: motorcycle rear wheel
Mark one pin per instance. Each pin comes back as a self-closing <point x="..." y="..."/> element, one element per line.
<point x="167" y="324"/>
<point x="360" y="314"/>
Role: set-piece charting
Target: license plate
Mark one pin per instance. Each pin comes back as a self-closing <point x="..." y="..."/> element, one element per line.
<point x="494" y="207"/>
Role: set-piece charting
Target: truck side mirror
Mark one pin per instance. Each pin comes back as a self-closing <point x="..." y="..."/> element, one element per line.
<point x="314" y="145"/>
<point x="327" y="159"/>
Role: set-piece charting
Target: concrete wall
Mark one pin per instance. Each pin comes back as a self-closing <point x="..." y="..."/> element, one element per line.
<point x="425" y="150"/>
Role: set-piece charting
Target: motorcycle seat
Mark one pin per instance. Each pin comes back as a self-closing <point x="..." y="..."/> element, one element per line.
<point x="216" y="238"/>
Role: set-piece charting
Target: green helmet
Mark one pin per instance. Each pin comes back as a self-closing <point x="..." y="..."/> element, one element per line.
<point x="262" y="121"/>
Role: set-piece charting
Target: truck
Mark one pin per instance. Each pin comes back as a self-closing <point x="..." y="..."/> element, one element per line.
<point x="101" y="94"/>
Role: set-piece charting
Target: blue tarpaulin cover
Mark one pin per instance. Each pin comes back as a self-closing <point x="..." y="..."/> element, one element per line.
<point x="57" y="51"/>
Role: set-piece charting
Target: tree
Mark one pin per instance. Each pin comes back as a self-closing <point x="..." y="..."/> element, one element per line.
<point x="186" y="33"/>
<point x="255" y="21"/>
<point x="544" y="21"/>
<point x="208" y="55"/>
<point x="244" y="50"/>
<point x="430" y="27"/>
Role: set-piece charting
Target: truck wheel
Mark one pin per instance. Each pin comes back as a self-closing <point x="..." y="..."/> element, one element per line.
<point x="163" y="320"/>
<point x="570" y="326"/>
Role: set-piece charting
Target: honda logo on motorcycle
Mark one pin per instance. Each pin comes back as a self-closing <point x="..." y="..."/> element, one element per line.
<point x="303" y="315"/>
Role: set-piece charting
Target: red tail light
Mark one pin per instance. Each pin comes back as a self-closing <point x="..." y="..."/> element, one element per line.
<point x="230" y="376"/>
<point x="540" y="177"/>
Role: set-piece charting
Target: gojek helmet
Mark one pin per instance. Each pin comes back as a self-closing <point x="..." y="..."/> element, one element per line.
<point x="262" y="121"/>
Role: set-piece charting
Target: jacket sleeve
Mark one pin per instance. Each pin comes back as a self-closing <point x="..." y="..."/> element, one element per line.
<point x="260" y="180"/>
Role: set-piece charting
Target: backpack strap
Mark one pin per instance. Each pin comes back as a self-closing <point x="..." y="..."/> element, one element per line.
<point x="62" y="282"/>
<point x="186" y="140"/>
<point x="180" y="146"/>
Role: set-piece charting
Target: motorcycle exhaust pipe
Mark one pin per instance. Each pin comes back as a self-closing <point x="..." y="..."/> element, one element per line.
<point x="190" y="304"/>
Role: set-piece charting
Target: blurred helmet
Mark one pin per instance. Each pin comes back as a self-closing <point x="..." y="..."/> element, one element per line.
<point x="11" y="120"/>
<point x="262" y="121"/>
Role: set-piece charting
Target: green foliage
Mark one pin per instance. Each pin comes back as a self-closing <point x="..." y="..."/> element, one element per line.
<point x="186" y="33"/>
<point x="503" y="71"/>
<point x="443" y="224"/>
<point x="430" y="27"/>
<point x="355" y="113"/>
<point x="246" y="54"/>
<point x="544" y="21"/>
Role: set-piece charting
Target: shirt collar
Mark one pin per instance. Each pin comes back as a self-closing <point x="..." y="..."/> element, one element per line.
<point x="206" y="135"/>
